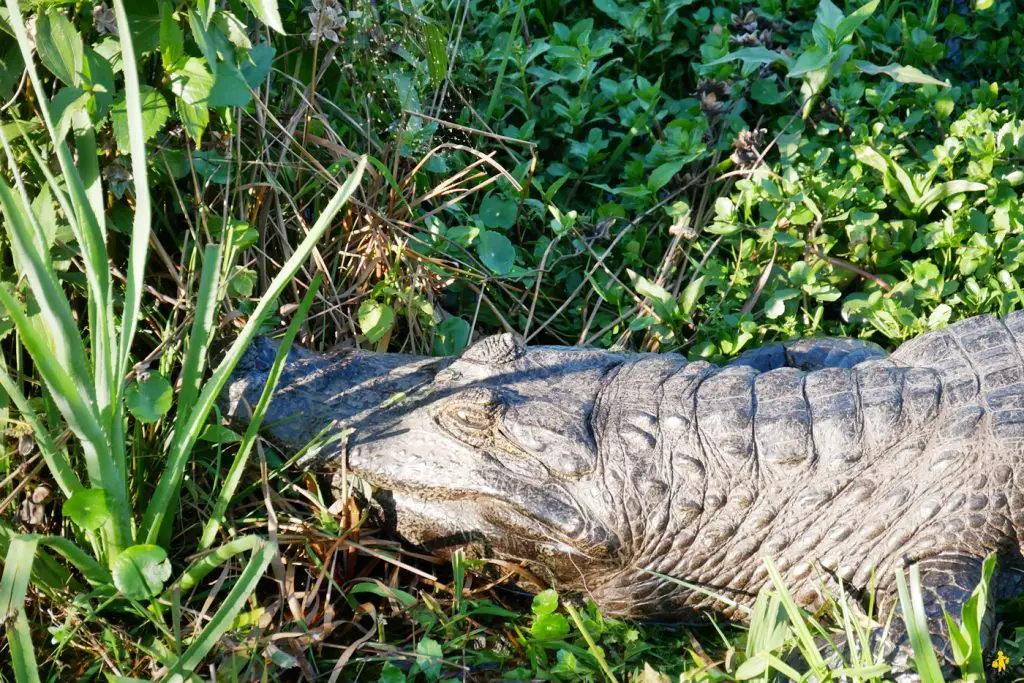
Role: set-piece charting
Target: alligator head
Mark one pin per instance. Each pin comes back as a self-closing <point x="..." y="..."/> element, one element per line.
<point x="494" y="451"/>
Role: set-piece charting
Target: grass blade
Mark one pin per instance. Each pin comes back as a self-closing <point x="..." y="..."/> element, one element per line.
<point x="202" y="329"/>
<point x="207" y="563"/>
<point x="808" y="646"/>
<point x="141" y="223"/>
<point x="225" y="614"/>
<point x="13" y="588"/>
<point x="234" y="476"/>
<point x="72" y="401"/>
<point x="916" y="624"/>
<point x="56" y="459"/>
<point x="159" y="512"/>
<point x="84" y="224"/>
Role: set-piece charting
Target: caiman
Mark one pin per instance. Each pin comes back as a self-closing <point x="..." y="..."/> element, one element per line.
<point x="603" y="472"/>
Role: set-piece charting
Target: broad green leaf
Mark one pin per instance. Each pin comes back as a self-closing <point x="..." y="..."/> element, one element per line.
<point x="545" y="602"/>
<point x="65" y="104"/>
<point x="451" y="336"/>
<point x="766" y="91"/>
<point x="812" y="59"/>
<point x="256" y="68"/>
<point x="266" y="11"/>
<point x="693" y="292"/>
<point x="940" y="192"/>
<point x="150" y="400"/>
<point x="429" y="658"/>
<point x="155" y="113"/>
<point x="752" y="55"/>
<point x="849" y="25"/>
<point x="982" y="5"/>
<point x="868" y="156"/>
<point x="496" y="251"/>
<point x="88" y="508"/>
<point x="242" y="282"/>
<point x="219" y="434"/>
<point x="498" y="212"/>
<point x="192" y="82"/>
<point x="172" y="42"/>
<point x="900" y="73"/>
<point x="549" y="627"/>
<point x="232" y="27"/>
<point x="98" y="80"/>
<point x="141" y="571"/>
<point x="60" y="46"/>
<point x="375" y="319"/>
<point x="229" y="88"/>
<point x="664" y="173"/>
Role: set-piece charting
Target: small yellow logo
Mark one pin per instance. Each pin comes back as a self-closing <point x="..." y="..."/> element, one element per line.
<point x="1000" y="662"/>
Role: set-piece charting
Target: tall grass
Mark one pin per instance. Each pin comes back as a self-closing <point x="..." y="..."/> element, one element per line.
<point x="121" y="523"/>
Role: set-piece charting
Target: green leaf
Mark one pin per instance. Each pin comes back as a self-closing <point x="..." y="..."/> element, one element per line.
<point x="172" y="41"/>
<point x="497" y="212"/>
<point x="266" y="11"/>
<point x="545" y="602"/>
<point x="900" y="73"/>
<point x="155" y="113"/>
<point x="752" y="56"/>
<point x="60" y="46"/>
<point x="429" y="659"/>
<point x="982" y="5"/>
<point x="849" y="25"/>
<point x="391" y="674"/>
<point x="451" y="336"/>
<point x="496" y="251"/>
<point x="549" y="627"/>
<point x="18" y="563"/>
<point x="99" y="82"/>
<point x="437" y="52"/>
<point x="141" y="571"/>
<point x="812" y="59"/>
<point x="242" y="283"/>
<point x="150" y="400"/>
<point x="88" y="508"/>
<point x="256" y="68"/>
<point x="64" y="105"/>
<point x="766" y="91"/>
<point x="664" y="173"/>
<point x="192" y="82"/>
<point x="219" y="434"/>
<point x="375" y="319"/>
<point x="229" y="88"/>
<point x="690" y="295"/>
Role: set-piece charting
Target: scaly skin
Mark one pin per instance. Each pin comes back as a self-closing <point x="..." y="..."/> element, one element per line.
<point x="598" y="468"/>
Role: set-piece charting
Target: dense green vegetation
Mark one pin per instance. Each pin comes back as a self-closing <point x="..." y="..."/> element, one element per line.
<point x="676" y="175"/>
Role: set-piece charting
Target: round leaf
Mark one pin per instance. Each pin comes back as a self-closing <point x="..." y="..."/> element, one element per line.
<point x="549" y="627"/>
<point x="497" y="252"/>
<point x="450" y="337"/>
<point x="496" y="212"/>
<point x="545" y="602"/>
<point x="375" y="319"/>
<point x="141" y="571"/>
<point x="150" y="400"/>
<point x="88" y="508"/>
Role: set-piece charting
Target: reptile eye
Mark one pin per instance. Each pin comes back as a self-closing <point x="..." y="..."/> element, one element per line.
<point x="470" y="417"/>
